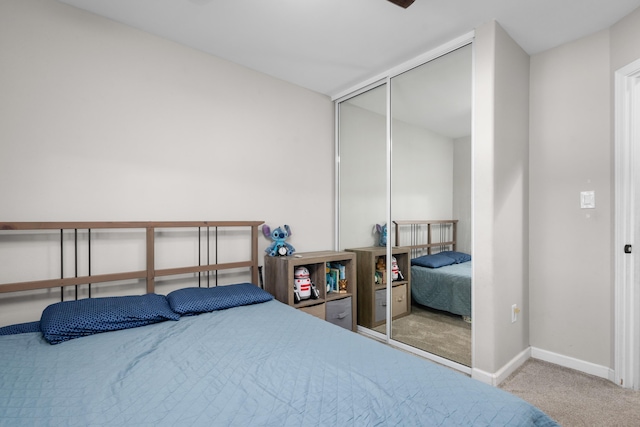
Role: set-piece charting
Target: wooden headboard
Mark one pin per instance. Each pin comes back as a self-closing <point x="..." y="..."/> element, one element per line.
<point x="422" y="236"/>
<point x="150" y="273"/>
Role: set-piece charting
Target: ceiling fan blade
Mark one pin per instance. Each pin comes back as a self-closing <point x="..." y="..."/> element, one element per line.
<point x="402" y="3"/>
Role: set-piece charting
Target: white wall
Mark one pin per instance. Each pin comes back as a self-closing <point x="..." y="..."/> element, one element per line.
<point x="422" y="180"/>
<point x="363" y="175"/>
<point x="462" y="194"/>
<point x="568" y="299"/>
<point x="422" y="174"/>
<point x="99" y="121"/>
<point x="500" y="173"/>
<point x="624" y="41"/>
<point x="511" y="202"/>
<point x="571" y="293"/>
<point x="572" y="284"/>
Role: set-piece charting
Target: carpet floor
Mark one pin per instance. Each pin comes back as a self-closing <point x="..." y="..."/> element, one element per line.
<point x="573" y="398"/>
<point x="436" y="332"/>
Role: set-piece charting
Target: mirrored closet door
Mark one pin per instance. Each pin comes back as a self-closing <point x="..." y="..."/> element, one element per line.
<point x="362" y="167"/>
<point x="422" y="154"/>
<point x="431" y="202"/>
<point x="362" y="197"/>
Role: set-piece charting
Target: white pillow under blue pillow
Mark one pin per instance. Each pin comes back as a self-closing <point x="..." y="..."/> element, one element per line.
<point x="67" y="320"/>
<point x="202" y="300"/>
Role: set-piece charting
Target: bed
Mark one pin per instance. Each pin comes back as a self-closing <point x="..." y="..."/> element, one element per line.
<point x="233" y="355"/>
<point x="440" y="275"/>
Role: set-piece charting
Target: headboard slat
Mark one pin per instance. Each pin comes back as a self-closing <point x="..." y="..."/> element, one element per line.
<point x="201" y="268"/>
<point x="71" y="281"/>
<point x="150" y="273"/>
<point x="417" y="227"/>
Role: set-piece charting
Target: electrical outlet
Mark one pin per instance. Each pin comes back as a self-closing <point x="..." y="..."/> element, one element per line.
<point x="514" y="313"/>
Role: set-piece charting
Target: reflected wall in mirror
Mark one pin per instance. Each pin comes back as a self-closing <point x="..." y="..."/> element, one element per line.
<point x="431" y="180"/>
<point x="362" y="168"/>
<point x="362" y="195"/>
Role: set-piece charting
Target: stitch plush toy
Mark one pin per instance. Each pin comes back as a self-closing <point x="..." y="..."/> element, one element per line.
<point x="278" y="247"/>
<point x="382" y="231"/>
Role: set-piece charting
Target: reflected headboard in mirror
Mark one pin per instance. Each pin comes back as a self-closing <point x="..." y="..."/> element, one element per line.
<point x="426" y="236"/>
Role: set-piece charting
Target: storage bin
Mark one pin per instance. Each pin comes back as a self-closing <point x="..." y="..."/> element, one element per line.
<point x="381" y="305"/>
<point x="399" y="302"/>
<point x="339" y="312"/>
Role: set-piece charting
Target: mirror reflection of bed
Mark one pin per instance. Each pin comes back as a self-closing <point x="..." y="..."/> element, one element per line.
<point x="440" y="319"/>
<point x="430" y="177"/>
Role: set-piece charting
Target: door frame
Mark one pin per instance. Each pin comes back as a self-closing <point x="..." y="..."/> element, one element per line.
<point x="627" y="213"/>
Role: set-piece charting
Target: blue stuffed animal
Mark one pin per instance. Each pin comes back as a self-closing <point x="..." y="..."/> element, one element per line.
<point x="382" y="231"/>
<point x="279" y="247"/>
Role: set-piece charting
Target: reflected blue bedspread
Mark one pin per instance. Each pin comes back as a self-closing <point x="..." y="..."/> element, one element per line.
<point x="446" y="288"/>
<point x="258" y="365"/>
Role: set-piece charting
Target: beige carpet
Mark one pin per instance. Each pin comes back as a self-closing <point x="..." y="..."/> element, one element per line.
<point x="437" y="332"/>
<point x="572" y="398"/>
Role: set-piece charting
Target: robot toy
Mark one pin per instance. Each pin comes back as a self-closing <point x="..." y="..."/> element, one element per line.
<point x="303" y="287"/>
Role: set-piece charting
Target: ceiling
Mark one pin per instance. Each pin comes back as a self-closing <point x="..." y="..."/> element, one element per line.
<point x="329" y="46"/>
<point x="435" y="96"/>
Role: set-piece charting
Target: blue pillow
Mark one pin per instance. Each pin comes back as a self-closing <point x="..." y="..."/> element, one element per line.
<point x="202" y="300"/>
<point x="67" y="320"/>
<point x="459" y="257"/>
<point x="20" y="328"/>
<point x="433" y="261"/>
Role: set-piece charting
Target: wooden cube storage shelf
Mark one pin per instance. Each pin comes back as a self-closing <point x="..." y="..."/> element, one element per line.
<point x="279" y="273"/>
<point x="369" y="307"/>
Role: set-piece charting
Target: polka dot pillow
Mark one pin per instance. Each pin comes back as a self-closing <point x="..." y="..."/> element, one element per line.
<point x="67" y="320"/>
<point x="20" y="328"/>
<point x="201" y="300"/>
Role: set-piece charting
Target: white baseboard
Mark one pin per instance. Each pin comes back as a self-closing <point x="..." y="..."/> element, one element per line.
<point x="502" y="374"/>
<point x="572" y="363"/>
<point x="496" y="378"/>
<point x="558" y="359"/>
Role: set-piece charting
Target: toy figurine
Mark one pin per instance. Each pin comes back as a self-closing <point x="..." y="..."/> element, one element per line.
<point x="279" y="246"/>
<point x="303" y="287"/>
<point x="301" y="284"/>
<point x="395" y="270"/>
<point x="381" y="271"/>
<point x="382" y="231"/>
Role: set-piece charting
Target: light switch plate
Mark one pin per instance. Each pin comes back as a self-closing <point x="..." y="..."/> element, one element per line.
<point x="587" y="199"/>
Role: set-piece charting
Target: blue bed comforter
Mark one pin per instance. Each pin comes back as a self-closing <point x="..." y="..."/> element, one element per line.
<point x="258" y="365"/>
<point x="446" y="288"/>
